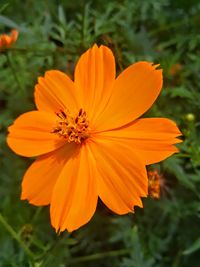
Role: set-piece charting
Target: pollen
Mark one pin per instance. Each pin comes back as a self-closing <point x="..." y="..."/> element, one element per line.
<point x="72" y="128"/>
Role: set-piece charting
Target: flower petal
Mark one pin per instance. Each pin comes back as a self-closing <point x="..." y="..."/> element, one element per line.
<point x="40" y="178"/>
<point x="4" y="40"/>
<point x="122" y="177"/>
<point x="94" y="77"/>
<point x="30" y="135"/>
<point x="14" y="35"/>
<point x="74" y="197"/>
<point x="151" y="138"/>
<point x="55" y="91"/>
<point x="134" y="91"/>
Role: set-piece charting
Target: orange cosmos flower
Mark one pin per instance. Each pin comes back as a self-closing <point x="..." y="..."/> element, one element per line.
<point x="7" y="40"/>
<point x="89" y="140"/>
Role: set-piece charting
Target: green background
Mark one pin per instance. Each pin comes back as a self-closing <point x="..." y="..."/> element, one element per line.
<point x="52" y="35"/>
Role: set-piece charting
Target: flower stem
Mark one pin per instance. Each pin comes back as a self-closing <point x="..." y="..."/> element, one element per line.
<point x="13" y="70"/>
<point x="15" y="236"/>
<point x="100" y="255"/>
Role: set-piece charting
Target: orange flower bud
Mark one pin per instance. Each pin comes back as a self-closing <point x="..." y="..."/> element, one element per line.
<point x="154" y="184"/>
<point x="7" y="40"/>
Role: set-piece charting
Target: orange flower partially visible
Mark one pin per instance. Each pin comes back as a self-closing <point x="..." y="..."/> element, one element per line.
<point x="6" y="41"/>
<point x="154" y="184"/>
<point x="89" y="139"/>
<point x="175" y="69"/>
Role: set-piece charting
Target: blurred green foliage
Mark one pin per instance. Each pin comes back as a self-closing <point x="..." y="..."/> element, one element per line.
<point x="52" y="35"/>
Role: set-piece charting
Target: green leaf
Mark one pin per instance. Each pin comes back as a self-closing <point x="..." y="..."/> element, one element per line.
<point x="181" y="92"/>
<point x="11" y="24"/>
<point x="195" y="246"/>
<point x="8" y="22"/>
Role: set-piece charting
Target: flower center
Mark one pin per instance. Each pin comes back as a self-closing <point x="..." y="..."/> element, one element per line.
<point x="72" y="128"/>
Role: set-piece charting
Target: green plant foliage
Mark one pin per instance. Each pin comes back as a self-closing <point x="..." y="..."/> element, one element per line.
<point x="52" y="35"/>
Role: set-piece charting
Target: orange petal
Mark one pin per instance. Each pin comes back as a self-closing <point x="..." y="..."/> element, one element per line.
<point x="14" y="35"/>
<point x="133" y="93"/>
<point x="94" y="77"/>
<point x="30" y="135"/>
<point x="55" y="91"/>
<point x="74" y="197"/>
<point x="151" y="138"/>
<point x="122" y="177"/>
<point x="40" y="178"/>
<point x="5" y="40"/>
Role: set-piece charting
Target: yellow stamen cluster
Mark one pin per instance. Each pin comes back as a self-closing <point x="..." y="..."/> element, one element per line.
<point x="72" y="128"/>
<point x="154" y="184"/>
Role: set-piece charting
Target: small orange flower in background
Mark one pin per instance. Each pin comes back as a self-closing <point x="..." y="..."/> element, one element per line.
<point x="6" y="41"/>
<point x="154" y="184"/>
<point x="89" y="140"/>
<point x="175" y="69"/>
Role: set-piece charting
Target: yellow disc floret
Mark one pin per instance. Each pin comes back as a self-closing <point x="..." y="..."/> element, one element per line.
<point x="72" y="128"/>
